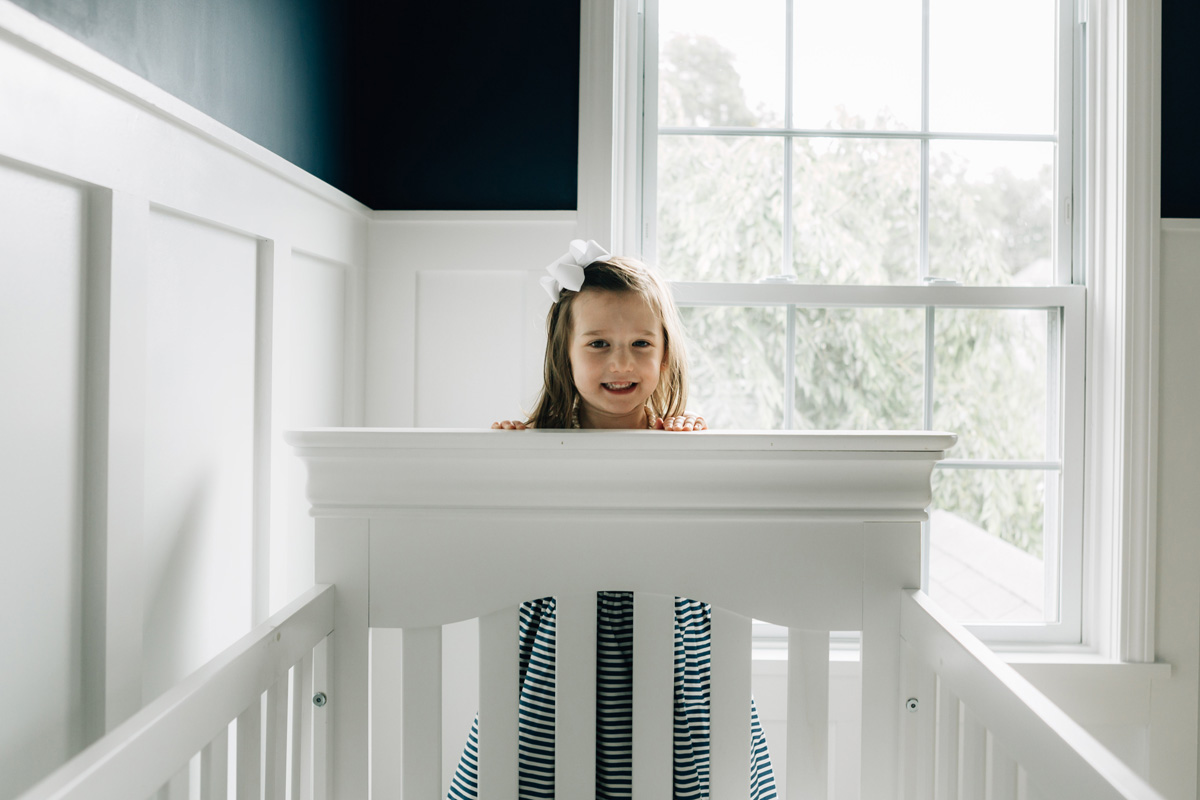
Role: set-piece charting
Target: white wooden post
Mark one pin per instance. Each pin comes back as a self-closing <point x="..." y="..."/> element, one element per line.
<point x="972" y="772"/>
<point x="653" y="695"/>
<point x="948" y="714"/>
<point x="919" y="727"/>
<point x="302" y="764"/>
<point x="498" y="696"/>
<point x="275" y="734"/>
<point x="114" y="460"/>
<point x="808" y="714"/>
<point x="249" y="751"/>
<point x="892" y="555"/>
<point x="575" y="695"/>
<point x="342" y="559"/>
<point x="422" y="713"/>
<point x="214" y="768"/>
<point x="729" y="725"/>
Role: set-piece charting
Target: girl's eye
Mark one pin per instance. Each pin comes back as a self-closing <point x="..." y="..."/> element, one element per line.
<point x="641" y="343"/>
<point x="598" y="344"/>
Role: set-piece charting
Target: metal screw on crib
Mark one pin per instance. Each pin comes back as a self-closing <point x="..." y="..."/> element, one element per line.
<point x="319" y="699"/>
<point x="911" y="704"/>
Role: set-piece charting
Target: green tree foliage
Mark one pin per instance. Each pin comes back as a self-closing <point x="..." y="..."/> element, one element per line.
<point x="855" y="219"/>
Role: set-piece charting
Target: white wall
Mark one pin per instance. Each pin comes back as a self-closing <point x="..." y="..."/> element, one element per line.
<point x="171" y="297"/>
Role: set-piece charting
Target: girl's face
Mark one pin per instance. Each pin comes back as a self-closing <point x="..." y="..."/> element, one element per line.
<point x="618" y="352"/>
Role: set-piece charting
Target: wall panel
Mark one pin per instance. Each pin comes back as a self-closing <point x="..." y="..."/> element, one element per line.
<point x="199" y="444"/>
<point x="42" y="247"/>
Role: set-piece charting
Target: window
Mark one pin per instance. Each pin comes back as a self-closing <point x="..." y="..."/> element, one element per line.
<point x="867" y="211"/>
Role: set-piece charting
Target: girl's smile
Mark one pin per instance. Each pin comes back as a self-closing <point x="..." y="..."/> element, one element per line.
<point x="617" y="354"/>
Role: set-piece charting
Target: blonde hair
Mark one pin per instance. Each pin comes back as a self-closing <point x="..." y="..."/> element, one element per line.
<point x="558" y="397"/>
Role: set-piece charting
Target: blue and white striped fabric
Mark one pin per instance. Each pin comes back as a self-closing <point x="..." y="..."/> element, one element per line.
<point x="614" y="706"/>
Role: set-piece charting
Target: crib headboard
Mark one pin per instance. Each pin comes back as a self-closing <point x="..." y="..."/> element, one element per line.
<point x="816" y="531"/>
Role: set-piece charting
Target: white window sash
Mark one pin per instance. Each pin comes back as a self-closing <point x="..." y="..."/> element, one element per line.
<point x="1117" y="176"/>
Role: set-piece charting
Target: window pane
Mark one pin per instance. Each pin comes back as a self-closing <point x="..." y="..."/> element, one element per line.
<point x="991" y="212"/>
<point x="992" y="67"/>
<point x="855" y="210"/>
<point x="859" y="368"/>
<point x="857" y="65"/>
<point x="986" y="536"/>
<point x="989" y="381"/>
<point x="720" y="207"/>
<point x="735" y="357"/>
<point x="721" y="63"/>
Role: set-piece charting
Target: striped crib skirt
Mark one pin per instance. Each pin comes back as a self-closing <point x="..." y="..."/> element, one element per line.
<point x="614" y="706"/>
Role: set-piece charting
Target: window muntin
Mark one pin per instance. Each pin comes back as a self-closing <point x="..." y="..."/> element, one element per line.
<point x="860" y="210"/>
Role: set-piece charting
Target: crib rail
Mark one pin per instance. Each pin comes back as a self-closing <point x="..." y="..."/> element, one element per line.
<point x="981" y="730"/>
<point x="265" y="681"/>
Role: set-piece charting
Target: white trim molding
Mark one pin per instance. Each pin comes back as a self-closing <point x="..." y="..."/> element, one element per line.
<point x="1122" y="241"/>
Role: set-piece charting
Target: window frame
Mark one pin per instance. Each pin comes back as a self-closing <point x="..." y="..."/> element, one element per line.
<point x="1116" y="236"/>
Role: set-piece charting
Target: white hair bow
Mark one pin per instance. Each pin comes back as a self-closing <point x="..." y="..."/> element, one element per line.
<point x="567" y="271"/>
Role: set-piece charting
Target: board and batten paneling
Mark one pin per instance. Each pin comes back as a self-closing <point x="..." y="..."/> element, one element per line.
<point x="455" y="316"/>
<point x="42" y="289"/>
<point x="199" y="444"/>
<point x="172" y="297"/>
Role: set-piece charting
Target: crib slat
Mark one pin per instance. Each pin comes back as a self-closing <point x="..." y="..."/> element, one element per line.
<point x="214" y="768"/>
<point x="422" y="721"/>
<point x="808" y="714"/>
<point x="249" y="743"/>
<point x="319" y="785"/>
<point x="498" y="694"/>
<point x="276" y="740"/>
<point x="729" y="704"/>
<point x="653" y="695"/>
<point x="948" y="711"/>
<point x="1001" y="772"/>
<point x="575" y="696"/>
<point x="302" y="728"/>
<point x="919" y="737"/>
<point x="973" y="764"/>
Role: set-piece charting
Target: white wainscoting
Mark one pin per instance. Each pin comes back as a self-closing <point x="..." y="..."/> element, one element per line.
<point x="172" y="296"/>
<point x="455" y="315"/>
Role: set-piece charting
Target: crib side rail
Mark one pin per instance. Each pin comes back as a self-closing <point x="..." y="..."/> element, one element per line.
<point x="152" y="751"/>
<point x="982" y="730"/>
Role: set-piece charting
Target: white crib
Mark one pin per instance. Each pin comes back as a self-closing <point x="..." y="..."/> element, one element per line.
<point x="416" y="529"/>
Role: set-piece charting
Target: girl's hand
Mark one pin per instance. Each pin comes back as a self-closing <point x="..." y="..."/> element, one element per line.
<point x="509" y="425"/>
<point x="686" y="422"/>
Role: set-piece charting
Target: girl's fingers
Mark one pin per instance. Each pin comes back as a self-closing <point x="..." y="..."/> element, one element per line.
<point x="509" y="425"/>
<point x="685" y="423"/>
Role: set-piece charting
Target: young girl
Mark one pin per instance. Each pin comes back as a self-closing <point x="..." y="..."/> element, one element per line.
<point x="615" y="358"/>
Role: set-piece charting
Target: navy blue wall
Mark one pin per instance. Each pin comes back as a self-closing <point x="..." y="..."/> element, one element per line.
<point x="452" y="105"/>
<point x="465" y="105"/>
<point x="1180" y="109"/>
<point x="273" y="70"/>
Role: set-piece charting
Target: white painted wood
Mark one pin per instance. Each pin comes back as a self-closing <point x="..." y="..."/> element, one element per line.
<point x="653" y="695"/>
<point x="1002" y="779"/>
<point x="214" y="768"/>
<point x="892" y="556"/>
<point x="494" y="303"/>
<point x="42" y="316"/>
<point x="321" y="774"/>
<point x="919" y="726"/>
<point x="422" y="736"/>
<point x="949" y="713"/>
<point x="197" y="552"/>
<point x="596" y="120"/>
<point x="460" y="691"/>
<point x="341" y="559"/>
<point x="300" y="777"/>
<point x="147" y="749"/>
<point x="972" y="756"/>
<point x="781" y="566"/>
<point x="116" y="397"/>
<point x="263" y="427"/>
<point x="575" y="694"/>
<point x="248" y="752"/>
<point x="808" y="714"/>
<point x="729" y="705"/>
<point x="1054" y="749"/>
<point x="498" y="695"/>
<point x="275" y="733"/>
